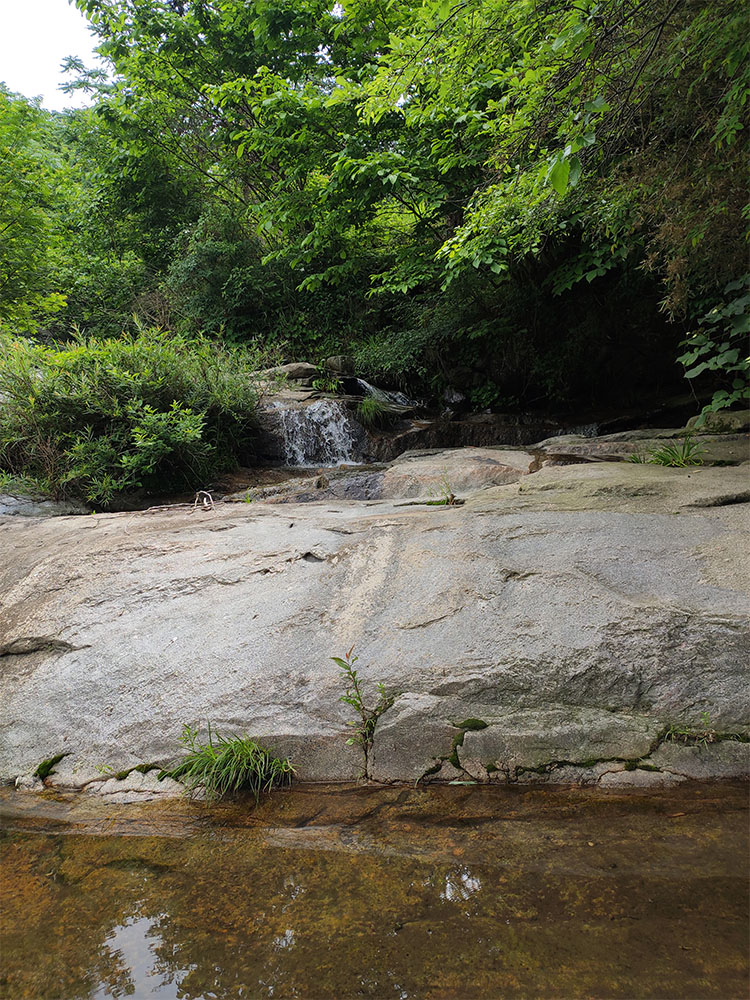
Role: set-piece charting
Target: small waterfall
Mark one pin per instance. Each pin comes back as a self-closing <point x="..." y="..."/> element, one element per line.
<point x="585" y="430"/>
<point x="388" y="397"/>
<point x="319" y="434"/>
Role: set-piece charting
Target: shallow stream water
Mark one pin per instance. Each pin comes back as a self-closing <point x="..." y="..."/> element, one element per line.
<point x="339" y="892"/>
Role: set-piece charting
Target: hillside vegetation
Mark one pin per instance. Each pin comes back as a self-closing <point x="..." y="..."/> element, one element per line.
<point x="534" y="201"/>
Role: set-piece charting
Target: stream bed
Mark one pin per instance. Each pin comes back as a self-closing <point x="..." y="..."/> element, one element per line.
<point x="342" y="892"/>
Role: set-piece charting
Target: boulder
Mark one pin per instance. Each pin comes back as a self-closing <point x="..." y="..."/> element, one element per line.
<point x="578" y="613"/>
<point x="341" y="364"/>
<point x="294" y="370"/>
<point x="722" y="422"/>
<point x="437" y="474"/>
<point x="24" y="506"/>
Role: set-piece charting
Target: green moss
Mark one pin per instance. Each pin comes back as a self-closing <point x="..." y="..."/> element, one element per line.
<point x="48" y="766"/>
<point x="140" y="768"/>
<point x="472" y="725"/>
<point x="430" y="771"/>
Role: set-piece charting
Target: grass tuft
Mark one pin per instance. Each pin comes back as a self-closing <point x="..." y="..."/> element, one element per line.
<point x="226" y="765"/>
<point x="680" y="455"/>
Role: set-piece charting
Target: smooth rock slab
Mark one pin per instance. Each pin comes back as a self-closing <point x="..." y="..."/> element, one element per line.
<point x="603" y="604"/>
<point x="137" y="787"/>
<point x="723" y="759"/>
<point x="411" y="739"/>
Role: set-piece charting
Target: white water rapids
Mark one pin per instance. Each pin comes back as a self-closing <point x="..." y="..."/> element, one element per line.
<point x="320" y="434"/>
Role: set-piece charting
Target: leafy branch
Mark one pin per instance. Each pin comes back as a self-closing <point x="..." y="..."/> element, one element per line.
<point x="368" y="717"/>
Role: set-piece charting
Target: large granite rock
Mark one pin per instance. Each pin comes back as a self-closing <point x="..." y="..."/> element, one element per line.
<point x="550" y="629"/>
<point x="440" y="473"/>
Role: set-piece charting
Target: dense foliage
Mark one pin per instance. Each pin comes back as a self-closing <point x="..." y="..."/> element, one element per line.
<point x="535" y="201"/>
<point x="102" y="417"/>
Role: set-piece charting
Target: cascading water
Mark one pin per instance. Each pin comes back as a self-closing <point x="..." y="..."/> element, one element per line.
<point x="320" y="434"/>
<point x="388" y="397"/>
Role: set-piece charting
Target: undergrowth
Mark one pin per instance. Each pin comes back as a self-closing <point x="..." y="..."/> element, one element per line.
<point x="93" y="419"/>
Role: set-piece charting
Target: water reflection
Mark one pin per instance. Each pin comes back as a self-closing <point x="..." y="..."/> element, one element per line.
<point x="133" y="949"/>
<point x="460" y="885"/>
<point x="478" y="894"/>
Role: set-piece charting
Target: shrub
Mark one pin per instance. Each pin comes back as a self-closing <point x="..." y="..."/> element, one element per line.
<point x="227" y="765"/>
<point x="93" y="419"/>
<point x="719" y="348"/>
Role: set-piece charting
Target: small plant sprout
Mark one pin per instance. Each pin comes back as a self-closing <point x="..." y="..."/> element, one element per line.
<point x="368" y="717"/>
<point x="443" y="492"/>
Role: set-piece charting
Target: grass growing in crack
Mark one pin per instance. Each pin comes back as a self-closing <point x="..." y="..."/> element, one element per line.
<point x="368" y="717"/>
<point x="443" y="492"/>
<point x="140" y="768"/>
<point x="226" y="765"/>
<point x="693" y="735"/>
<point x="680" y="455"/>
<point x="372" y="412"/>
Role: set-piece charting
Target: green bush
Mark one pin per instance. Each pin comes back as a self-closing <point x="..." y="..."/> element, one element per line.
<point x="227" y="765"/>
<point x="95" y="419"/>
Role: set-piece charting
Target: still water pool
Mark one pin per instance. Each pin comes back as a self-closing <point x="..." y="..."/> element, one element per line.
<point x="339" y="892"/>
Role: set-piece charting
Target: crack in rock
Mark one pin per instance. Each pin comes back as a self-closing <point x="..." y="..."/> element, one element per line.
<point x="37" y="644"/>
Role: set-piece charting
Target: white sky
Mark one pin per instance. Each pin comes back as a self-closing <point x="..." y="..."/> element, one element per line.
<point x="35" y="37"/>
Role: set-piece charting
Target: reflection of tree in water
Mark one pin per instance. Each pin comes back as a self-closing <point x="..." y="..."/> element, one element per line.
<point x="223" y="918"/>
<point x="237" y="912"/>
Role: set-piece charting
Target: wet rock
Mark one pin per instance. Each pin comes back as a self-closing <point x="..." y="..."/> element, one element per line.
<point x="410" y="739"/>
<point x="137" y="787"/>
<point x="530" y="740"/>
<point x="29" y="783"/>
<point x="71" y="773"/>
<point x="317" y="756"/>
<point x="476" y="430"/>
<point x="639" y="778"/>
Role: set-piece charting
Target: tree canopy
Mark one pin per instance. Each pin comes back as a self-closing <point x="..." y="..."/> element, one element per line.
<point x="531" y="200"/>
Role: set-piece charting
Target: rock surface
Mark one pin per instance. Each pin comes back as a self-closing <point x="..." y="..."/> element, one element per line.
<point x="437" y="474"/>
<point x="714" y="449"/>
<point x="23" y="506"/>
<point x="551" y="629"/>
<point x="294" y="370"/>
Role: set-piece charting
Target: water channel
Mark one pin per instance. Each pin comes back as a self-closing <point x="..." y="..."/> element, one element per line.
<point x="340" y="891"/>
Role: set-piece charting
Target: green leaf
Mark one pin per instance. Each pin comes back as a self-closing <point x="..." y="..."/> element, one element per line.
<point x="558" y="176"/>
